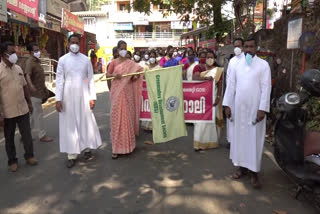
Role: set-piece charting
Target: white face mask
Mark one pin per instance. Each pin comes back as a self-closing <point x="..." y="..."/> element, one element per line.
<point x="175" y="53"/>
<point x="13" y="58"/>
<point x="74" y="48"/>
<point x="146" y="56"/>
<point x="152" y="60"/>
<point x="209" y="61"/>
<point x="237" y="51"/>
<point x="37" y="54"/>
<point x="136" y="57"/>
<point x="123" y="53"/>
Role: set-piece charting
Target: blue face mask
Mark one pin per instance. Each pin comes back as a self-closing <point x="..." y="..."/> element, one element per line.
<point x="249" y="58"/>
<point x="191" y="58"/>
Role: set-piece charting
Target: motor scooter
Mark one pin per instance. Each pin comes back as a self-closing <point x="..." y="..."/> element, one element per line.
<point x="297" y="151"/>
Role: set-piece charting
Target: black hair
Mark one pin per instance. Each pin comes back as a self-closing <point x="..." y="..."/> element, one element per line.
<point x="212" y="52"/>
<point x="192" y="51"/>
<point x="114" y="50"/>
<point x="31" y="45"/>
<point x="202" y="52"/>
<point x="239" y="39"/>
<point x="4" y="46"/>
<point x="74" y="35"/>
<point x="169" y="48"/>
<point x="130" y="54"/>
<point x="251" y="38"/>
<point x="135" y="53"/>
<point x="153" y="52"/>
<point x="121" y="42"/>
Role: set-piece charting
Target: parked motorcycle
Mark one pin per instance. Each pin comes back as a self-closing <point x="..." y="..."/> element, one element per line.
<point x="298" y="154"/>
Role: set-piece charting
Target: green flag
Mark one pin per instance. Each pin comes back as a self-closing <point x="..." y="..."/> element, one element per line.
<point x="166" y="102"/>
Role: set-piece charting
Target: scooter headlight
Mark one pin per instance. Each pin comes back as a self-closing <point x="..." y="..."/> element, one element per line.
<point x="292" y="98"/>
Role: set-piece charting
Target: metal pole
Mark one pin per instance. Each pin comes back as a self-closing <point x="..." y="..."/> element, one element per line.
<point x="265" y="6"/>
<point x="291" y="70"/>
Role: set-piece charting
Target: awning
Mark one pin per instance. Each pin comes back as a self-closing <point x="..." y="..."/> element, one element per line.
<point x="123" y="26"/>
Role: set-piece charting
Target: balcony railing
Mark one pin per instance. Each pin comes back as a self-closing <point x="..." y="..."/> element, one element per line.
<point x="148" y="35"/>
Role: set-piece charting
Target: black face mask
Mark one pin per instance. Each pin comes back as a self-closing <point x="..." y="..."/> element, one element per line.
<point x="170" y="55"/>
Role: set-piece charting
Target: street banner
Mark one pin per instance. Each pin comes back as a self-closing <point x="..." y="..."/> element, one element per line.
<point x="166" y="103"/>
<point x="197" y="102"/>
<point x="72" y="22"/>
<point x="3" y="11"/>
<point x="28" y="8"/>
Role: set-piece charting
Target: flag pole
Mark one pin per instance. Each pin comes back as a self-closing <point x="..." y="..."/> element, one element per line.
<point x="125" y="75"/>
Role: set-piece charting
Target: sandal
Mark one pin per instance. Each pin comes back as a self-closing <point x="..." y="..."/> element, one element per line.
<point x="239" y="173"/>
<point x="115" y="156"/>
<point x="255" y="182"/>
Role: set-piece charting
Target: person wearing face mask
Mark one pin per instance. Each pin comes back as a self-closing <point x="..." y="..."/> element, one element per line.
<point x="206" y="135"/>
<point x="249" y="89"/>
<point x="75" y="100"/>
<point x="137" y="56"/>
<point x="165" y="58"/>
<point x="171" y="60"/>
<point x="238" y="54"/>
<point x="36" y="82"/>
<point x="202" y="63"/>
<point x="189" y="67"/>
<point x="152" y="65"/>
<point x="15" y="106"/>
<point x="125" y="97"/>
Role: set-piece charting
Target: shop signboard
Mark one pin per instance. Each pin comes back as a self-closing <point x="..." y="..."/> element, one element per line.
<point x="72" y="22"/>
<point x="27" y="8"/>
<point x="123" y="26"/>
<point x="18" y="17"/>
<point x="51" y="25"/>
<point x="180" y="25"/>
<point x="3" y="11"/>
<point x="54" y="7"/>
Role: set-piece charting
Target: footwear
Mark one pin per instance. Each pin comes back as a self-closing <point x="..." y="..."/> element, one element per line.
<point x="240" y="173"/>
<point x="88" y="156"/>
<point x="115" y="156"/>
<point x="32" y="161"/>
<point x="13" y="167"/>
<point x="46" y="139"/>
<point x="255" y="181"/>
<point x="71" y="163"/>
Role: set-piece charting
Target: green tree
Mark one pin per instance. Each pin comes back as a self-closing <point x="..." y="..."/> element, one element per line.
<point x="204" y="11"/>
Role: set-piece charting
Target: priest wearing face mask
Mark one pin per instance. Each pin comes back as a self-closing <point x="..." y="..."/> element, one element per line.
<point x="36" y="82"/>
<point x="238" y="54"/>
<point x="206" y="135"/>
<point x="125" y="100"/>
<point x="249" y="88"/>
<point x="15" y="106"/>
<point x="75" y="100"/>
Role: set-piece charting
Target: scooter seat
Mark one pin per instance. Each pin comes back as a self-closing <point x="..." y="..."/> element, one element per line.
<point x="302" y="174"/>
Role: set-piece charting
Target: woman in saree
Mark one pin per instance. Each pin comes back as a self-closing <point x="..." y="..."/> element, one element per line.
<point x="152" y="65"/>
<point x="125" y="99"/>
<point x="206" y="135"/>
<point x="188" y="68"/>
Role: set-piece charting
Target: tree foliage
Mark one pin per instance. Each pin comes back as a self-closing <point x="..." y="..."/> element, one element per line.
<point x="203" y="11"/>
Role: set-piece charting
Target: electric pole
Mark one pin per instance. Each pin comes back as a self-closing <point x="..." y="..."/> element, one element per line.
<point x="265" y="6"/>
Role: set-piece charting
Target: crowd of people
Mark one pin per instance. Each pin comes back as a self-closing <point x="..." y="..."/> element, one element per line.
<point x="246" y="100"/>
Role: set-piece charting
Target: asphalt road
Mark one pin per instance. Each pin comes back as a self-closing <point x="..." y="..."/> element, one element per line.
<point x="165" y="178"/>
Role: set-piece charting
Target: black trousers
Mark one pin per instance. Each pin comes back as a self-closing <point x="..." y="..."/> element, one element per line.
<point x="25" y="131"/>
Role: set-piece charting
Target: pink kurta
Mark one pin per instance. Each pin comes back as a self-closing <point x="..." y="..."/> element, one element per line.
<point x="125" y="107"/>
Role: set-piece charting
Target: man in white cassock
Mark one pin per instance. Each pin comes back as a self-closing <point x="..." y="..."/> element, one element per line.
<point x="75" y="99"/>
<point x="249" y="87"/>
<point x="238" y="55"/>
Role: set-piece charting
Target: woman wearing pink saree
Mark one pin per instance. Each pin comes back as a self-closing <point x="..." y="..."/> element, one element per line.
<point x="125" y="93"/>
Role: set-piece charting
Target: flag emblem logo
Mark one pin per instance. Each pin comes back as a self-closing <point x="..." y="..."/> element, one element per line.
<point x="172" y="103"/>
